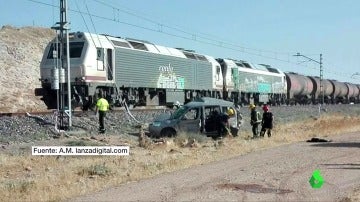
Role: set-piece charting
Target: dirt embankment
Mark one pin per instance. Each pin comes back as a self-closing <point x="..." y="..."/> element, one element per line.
<point x="21" y="50"/>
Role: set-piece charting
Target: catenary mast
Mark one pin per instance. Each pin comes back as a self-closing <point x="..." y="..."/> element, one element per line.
<point x="64" y="108"/>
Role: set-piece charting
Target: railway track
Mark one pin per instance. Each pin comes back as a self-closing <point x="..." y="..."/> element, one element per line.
<point x="79" y="112"/>
<point x="10" y="114"/>
<point x="27" y="127"/>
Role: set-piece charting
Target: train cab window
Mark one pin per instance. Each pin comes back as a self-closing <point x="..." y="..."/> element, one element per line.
<point x="75" y="50"/>
<point x="99" y="54"/>
<point x="54" y="51"/>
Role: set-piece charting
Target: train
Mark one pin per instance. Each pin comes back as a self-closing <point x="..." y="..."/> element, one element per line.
<point x="141" y="73"/>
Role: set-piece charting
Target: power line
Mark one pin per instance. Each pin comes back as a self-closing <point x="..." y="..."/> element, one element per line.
<point x="77" y="6"/>
<point x="216" y="43"/>
<point x="191" y="36"/>
<point x="181" y="30"/>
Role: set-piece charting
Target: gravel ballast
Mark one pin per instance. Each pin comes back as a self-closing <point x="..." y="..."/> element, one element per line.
<point x="25" y="128"/>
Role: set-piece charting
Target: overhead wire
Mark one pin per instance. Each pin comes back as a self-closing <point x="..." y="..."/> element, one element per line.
<point x="192" y="36"/>
<point x="92" y="22"/>
<point x="182" y="30"/>
<point x="77" y="6"/>
<point x="220" y="43"/>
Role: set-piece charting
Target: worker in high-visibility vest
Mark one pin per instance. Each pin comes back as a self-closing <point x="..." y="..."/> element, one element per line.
<point x="102" y="106"/>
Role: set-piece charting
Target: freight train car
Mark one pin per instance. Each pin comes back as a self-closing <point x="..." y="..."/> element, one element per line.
<point x="354" y="92"/>
<point x="357" y="96"/>
<point x="328" y="90"/>
<point x="341" y="92"/>
<point x="301" y="91"/>
<point x="130" y="70"/>
<point x="299" y="88"/>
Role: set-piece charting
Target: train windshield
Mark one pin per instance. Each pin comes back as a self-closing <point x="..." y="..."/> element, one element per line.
<point x="75" y="50"/>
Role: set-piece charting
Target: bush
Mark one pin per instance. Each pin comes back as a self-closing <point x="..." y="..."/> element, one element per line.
<point x="20" y="185"/>
<point x="100" y="170"/>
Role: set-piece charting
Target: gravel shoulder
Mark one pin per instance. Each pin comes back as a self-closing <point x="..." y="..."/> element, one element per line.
<point x="276" y="174"/>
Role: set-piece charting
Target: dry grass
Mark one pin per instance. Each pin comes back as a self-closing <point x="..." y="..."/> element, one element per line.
<point x="353" y="196"/>
<point x="44" y="178"/>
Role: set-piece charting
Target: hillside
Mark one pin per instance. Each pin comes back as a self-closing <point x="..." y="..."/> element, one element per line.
<point x="21" y="50"/>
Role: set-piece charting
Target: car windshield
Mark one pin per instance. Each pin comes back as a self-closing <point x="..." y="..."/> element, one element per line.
<point x="179" y="112"/>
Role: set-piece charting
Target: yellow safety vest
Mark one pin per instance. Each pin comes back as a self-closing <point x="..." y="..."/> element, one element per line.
<point x="102" y="104"/>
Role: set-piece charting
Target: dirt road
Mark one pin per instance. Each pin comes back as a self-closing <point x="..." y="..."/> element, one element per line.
<point x="276" y="174"/>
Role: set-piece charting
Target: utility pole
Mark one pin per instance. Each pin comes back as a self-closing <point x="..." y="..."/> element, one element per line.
<point x="321" y="80"/>
<point x="66" y="28"/>
<point x="63" y="28"/>
<point x="321" y="76"/>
